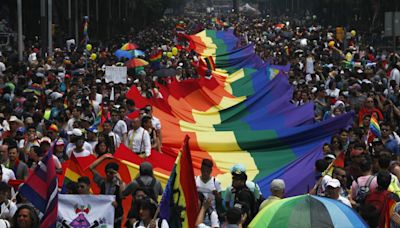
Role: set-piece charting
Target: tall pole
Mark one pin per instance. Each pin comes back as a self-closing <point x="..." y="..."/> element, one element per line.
<point x="43" y="27"/>
<point x="87" y="8"/>
<point x="50" y="26"/>
<point x="20" y="44"/>
<point x="69" y="19"/>
<point x="393" y="30"/>
<point x="76" y="23"/>
<point x="97" y="18"/>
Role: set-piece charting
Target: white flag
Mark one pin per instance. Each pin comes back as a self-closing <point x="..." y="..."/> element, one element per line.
<point x="85" y="211"/>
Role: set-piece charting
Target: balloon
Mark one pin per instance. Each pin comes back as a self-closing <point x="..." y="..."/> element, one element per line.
<point x="349" y="56"/>
<point x="164" y="53"/>
<point x="93" y="56"/>
<point x="89" y="47"/>
<point x="174" y="51"/>
<point x="353" y="33"/>
<point x="169" y="54"/>
<point x="331" y="44"/>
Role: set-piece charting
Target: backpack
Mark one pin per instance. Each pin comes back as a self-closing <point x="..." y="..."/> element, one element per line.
<point x="149" y="189"/>
<point x="363" y="191"/>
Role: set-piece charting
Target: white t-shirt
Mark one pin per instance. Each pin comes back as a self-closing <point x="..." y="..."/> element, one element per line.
<point x="2" y="68"/>
<point x="164" y="224"/>
<point x="8" y="212"/>
<point x="84" y="153"/>
<point x="71" y="147"/>
<point x="8" y="174"/>
<point x="395" y="75"/>
<point x="120" y="128"/>
<point x="208" y="188"/>
<point x="322" y="187"/>
<point x="344" y="200"/>
<point x="310" y="65"/>
<point x="156" y="123"/>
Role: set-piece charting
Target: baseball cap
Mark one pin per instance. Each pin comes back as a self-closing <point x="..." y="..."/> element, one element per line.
<point x="75" y="132"/>
<point x="59" y="142"/>
<point x="238" y="169"/>
<point x="277" y="184"/>
<point x="334" y="183"/>
<point x="53" y="127"/>
<point x="331" y="156"/>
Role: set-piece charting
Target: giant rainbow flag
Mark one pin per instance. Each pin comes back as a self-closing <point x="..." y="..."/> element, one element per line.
<point x="242" y="115"/>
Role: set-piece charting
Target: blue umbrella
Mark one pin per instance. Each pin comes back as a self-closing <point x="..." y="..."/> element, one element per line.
<point x="137" y="53"/>
<point x="123" y="54"/>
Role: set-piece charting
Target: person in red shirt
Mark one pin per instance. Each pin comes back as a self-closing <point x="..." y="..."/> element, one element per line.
<point x="369" y="109"/>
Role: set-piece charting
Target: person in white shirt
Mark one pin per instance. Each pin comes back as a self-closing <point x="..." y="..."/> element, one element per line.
<point x="139" y="139"/>
<point x="333" y="191"/>
<point x="395" y="73"/>
<point x="76" y="115"/>
<point x="208" y="185"/>
<point x="7" y="174"/>
<point x="8" y="208"/>
<point x="155" y="121"/>
<point x="119" y="126"/>
<point x="79" y="150"/>
<point x="74" y="134"/>
<point x="114" y="138"/>
<point x="147" y="210"/>
<point x="2" y="66"/>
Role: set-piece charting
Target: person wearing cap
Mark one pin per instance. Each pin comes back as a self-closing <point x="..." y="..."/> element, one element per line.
<point x="208" y="185"/>
<point x="79" y="151"/>
<point x="138" y="138"/>
<point x="52" y="132"/>
<point x="333" y="191"/>
<point x="74" y="135"/>
<point x="277" y="188"/>
<point x="14" y="124"/>
<point x="59" y="150"/>
<point x="240" y="187"/>
<point x="340" y="174"/>
<point x="19" y="168"/>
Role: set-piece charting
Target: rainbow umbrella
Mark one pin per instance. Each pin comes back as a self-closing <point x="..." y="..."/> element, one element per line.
<point x="136" y="62"/>
<point x="307" y="211"/>
<point x="129" y="47"/>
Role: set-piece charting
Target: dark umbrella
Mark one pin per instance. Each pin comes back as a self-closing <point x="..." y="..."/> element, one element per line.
<point x="168" y="72"/>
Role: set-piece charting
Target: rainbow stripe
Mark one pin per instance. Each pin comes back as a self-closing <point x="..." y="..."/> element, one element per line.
<point x="374" y="127"/>
<point x="242" y="115"/>
<point x="156" y="57"/>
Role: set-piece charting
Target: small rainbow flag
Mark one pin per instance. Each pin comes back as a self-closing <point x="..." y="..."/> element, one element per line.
<point x="210" y="62"/>
<point x="374" y="127"/>
<point x="85" y="29"/>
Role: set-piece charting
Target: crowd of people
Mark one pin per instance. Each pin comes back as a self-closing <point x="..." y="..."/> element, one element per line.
<point x="56" y="101"/>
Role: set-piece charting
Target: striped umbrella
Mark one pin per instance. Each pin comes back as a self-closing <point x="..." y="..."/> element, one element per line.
<point x="307" y="211"/>
<point x="129" y="47"/>
<point x="136" y="62"/>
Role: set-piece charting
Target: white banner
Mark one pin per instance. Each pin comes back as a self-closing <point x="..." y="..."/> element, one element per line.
<point x="85" y="211"/>
<point x="116" y="74"/>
